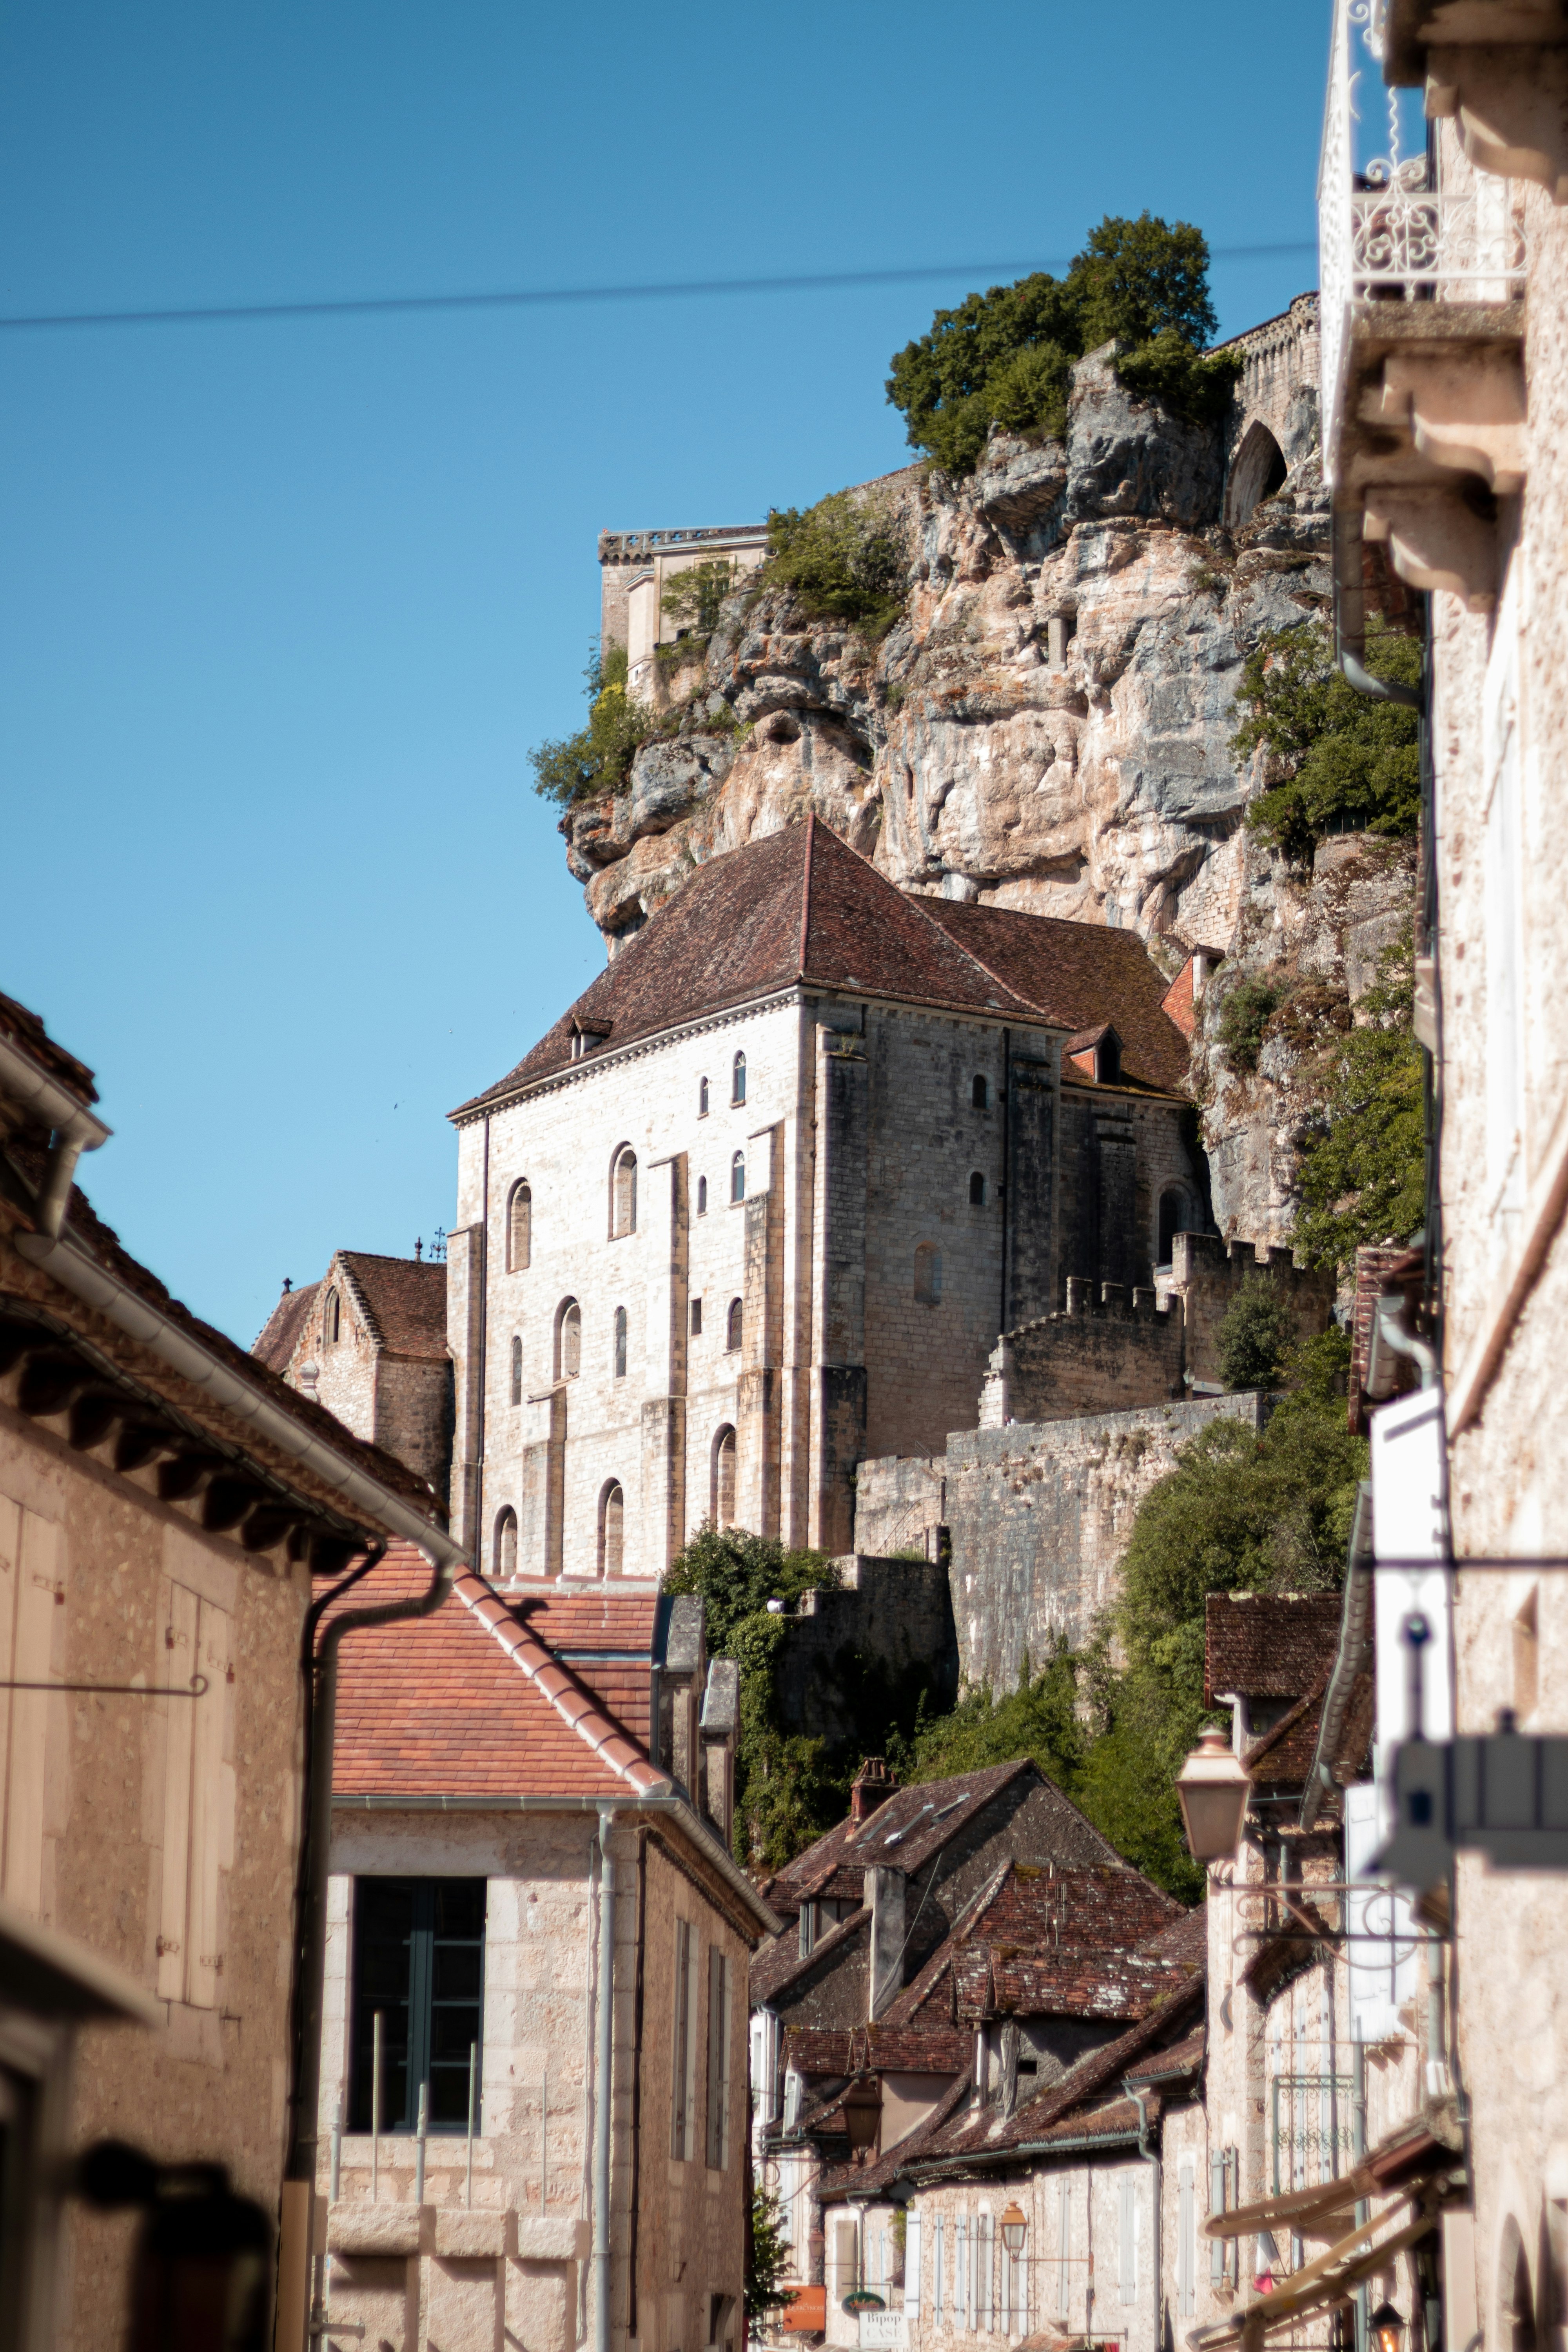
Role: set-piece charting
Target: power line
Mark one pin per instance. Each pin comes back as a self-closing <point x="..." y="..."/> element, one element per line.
<point x="541" y="297"/>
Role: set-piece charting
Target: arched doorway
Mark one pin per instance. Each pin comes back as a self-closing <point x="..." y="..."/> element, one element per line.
<point x="1258" y="470"/>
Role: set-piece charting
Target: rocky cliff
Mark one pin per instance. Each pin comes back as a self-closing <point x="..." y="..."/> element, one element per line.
<point x="1047" y="727"/>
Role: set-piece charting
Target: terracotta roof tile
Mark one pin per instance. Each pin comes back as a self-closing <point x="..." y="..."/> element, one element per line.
<point x="26" y="1029"/>
<point x="405" y="1299"/>
<point x="803" y="906"/>
<point x="1268" y="1645"/>
<point x="275" y="1344"/>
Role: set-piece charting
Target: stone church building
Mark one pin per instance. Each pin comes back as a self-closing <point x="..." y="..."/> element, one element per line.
<point x="758" y="1206"/>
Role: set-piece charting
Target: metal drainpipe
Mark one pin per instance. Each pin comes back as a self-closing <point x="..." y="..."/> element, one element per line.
<point x="603" y="2060"/>
<point x="1151" y="2157"/>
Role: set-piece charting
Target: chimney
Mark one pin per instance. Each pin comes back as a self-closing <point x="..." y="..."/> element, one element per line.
<point x="874" y="1784"/>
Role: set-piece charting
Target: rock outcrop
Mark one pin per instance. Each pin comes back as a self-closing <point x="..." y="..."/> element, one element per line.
<point x="1046" y="726"/>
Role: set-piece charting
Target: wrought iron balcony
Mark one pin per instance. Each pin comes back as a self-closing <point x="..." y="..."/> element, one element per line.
<point x="1387" y="237"/>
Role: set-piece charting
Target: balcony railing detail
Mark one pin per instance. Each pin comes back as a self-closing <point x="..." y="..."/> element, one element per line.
<point x="1383" y="233"/>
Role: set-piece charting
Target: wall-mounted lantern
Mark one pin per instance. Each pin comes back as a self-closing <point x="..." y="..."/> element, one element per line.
<point x="1015" y="2229"/>
<point x="1386" y="2329"/>
<point x="1212" y="1787"/>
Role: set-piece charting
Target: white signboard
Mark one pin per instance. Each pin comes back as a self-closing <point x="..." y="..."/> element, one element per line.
<point x="888" y="2331"/>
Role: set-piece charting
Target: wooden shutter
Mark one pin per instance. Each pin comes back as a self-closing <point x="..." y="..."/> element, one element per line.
<point x="718" y="2060"/>
<point x="912" y="2260"/>
<point x="1064" y="2248"/>
<point x="31" y="1580"/>
<point x="181" y="1644"/>
<point x="203" y="1960"/>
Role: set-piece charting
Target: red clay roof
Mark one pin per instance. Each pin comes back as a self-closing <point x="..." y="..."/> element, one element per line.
<point x="803" y="906"/>
<point x="903" y="2049"/>
<point x="1081" y="977"/>
<point x="27" y="1030"/>
<point x="1268" y="1645"/>
<point x="473" y="1702"/>
<point x="405" y="1299"/>
<point x="275" y="1344"/>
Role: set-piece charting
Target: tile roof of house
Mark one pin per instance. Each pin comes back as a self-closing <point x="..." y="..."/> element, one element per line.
<point x="26" y="1029"/>
<point x="275" y="1343"/>
<point x="802" y="905"/>
<point x="857" y="2049"/>
<point x="1283" y="1757"/>
<point x="405" y="1299"/>
<point x="914" y="1823"/>
<point x="103" y="1243"/>
<point x="1177" y="2061"/>
<point x="1268" y="1645"/>
<point x="1084" y="977"/>
<point x="1115" y="1984"/>
<point x="476" y="1702"/>
<point x="780" y="1963"/>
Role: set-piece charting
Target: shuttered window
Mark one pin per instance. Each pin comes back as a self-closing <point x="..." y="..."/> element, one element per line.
<point x="197" y="1798"/>
<point x="983" y="2269"/>
<point x="718" y="2017"/>
<point x="32" y="1584"/>
<point x="912" y="2261"/>
<point x="683" y="2132"/>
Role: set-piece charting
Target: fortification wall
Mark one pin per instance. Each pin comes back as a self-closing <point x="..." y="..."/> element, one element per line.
<point x="1205" y="1275"/>
<point x="1039" y="1518"/>
<point x="889" y="1630"/>
<point x="899" y="1504"/>
<point x="1108" y="1350"/>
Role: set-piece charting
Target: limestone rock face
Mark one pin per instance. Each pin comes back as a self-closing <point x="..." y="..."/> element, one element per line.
<point x="1046" y="726"/>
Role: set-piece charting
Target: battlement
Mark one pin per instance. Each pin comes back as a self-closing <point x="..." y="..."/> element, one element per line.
<point x="1108" y="1348"/>
<point x="1207" y="1274"/>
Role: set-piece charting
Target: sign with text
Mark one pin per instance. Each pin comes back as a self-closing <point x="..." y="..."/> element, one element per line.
<point x="884" y="2331"/>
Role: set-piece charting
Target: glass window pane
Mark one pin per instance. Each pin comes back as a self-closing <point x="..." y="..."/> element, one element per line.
<point x="384" y="1920"/>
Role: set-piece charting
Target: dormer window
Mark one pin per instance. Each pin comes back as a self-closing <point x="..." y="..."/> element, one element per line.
<point x="585" y="1036"/>
<point x="1096" y="1052"/>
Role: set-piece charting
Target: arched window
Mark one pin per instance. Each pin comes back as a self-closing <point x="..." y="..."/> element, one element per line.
<point x="624" y="1193"/>
<point x="702" y="1196"/>
<point x="1174" y="1218"/>
<point x="928" y="1274"/>
<point x="568" y="1339"/>
<point x="517" y="1369"/>
<point x="697" y="1319"/>
<point x="620" y="1343"/>
<point x="723" y="1513"/>
<point x="506" y="1546"/>
<point x="734" y="1324"/>
<point x="1258" y="471"/>
<point x="612" y="1529"/>
<point x="701" y="1097"/>
<point x="980" y="1095"/>
<point x="738" y="1177"/>
<point x="977" y="1190"/>
<point x="518" y="1228"/>
<point x="738" y="1079"/>
<point x="332" y="1319"/>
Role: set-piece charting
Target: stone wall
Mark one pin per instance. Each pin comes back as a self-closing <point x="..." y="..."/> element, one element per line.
<point x="1106" y="1350"/>
<point x="1207" y="1274"/>
<point x="881" y="1639"/>
<point x="1039" y="1518"/>
<point x="899" y="1504"/>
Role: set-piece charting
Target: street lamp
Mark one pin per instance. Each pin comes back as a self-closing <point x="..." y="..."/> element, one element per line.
<point x="1213" y="1786"/>
<point x="1015" y="2228"/>
<point x="1386" y="2329"/>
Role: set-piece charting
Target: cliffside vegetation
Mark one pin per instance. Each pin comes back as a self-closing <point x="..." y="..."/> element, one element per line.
<point x="840" y="559"/>
<point x="1338" y="761"/>
<point x="1363" y="1159"/>
<point x="1002" y="360"/>
<point x="597" y="757"/>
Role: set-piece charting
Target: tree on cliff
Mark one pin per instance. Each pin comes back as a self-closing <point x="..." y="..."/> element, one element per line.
<point x="597" y="757"/>
<point x="1003" y="358"/>
<point x="1337" y="762"/>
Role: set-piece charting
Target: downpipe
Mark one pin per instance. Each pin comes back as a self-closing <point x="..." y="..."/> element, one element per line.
<point x="603" y="2060"/>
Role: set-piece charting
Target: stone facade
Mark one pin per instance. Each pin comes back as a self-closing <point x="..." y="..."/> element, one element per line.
<point x="369" y="1342"/>
<point x="889" y="1624"/>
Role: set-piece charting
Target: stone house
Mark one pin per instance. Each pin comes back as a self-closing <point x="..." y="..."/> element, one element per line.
<point x="759" y="1204"/>
<point x="539" y="1947"/>
<point x="1444" y="400"/>
<point x="164" y="1500"/>
<point x="369" y="1342"/>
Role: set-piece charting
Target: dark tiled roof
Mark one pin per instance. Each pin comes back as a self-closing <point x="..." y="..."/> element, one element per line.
<point x="903" y="2049"/>
<point x="473" y="1702"/>
<point x="1062" y="1984"/>
<point x="405" y="1299"/>
<point x="1082" y="976"/>
<point x="803" y="906"/>
<point x="27" y="1030"/>
<point x="1181" y="2060"/>
<point x="779" y="1963"/>
<point x="907" y="1829"/>
<point x="280" y="1336"/>
<point x="1268" y="1645"/>
<point x="1283" y="1757"/>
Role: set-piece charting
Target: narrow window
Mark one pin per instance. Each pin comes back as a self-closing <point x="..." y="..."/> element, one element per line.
<point x="977" y="1190"/>
<point x="980" y="1095"/>
<point x="568" y="1339"/>
<point x="928" y="1274"/>
<point x="506" y="1546"/>
<point x="723" y="1494"/>
<point x="702" y="1196"/>
<point x="702" y="1098"/>
<point x="734" y="1324"/>
<point x="612" y="1524"/>
<point x="738" y="1177"/>
<point x="684" y="2100"/>
<point x="419" y="1960"/>
<point x="516" y="1371"/>
<point x="697" y="1319"/>
<point x="624" y="1194"/>
<point x="518" y="1228"/>
<point x="620" y="1343"/>
<point x="738" y="1080"/>
<point x="332" y="1319"/>
<point x="719" y="2038"/>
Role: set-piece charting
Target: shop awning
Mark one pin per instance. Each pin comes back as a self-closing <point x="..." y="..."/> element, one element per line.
<point x="1329" y="2278"/>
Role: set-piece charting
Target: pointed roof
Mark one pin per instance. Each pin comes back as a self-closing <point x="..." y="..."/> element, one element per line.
<point x="798" y="905"/>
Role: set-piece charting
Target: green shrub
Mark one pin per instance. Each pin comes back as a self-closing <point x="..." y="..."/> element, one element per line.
<point x="693" y="597"/>
<point x="598" y="756"/>
<point x="1363" y="1161"/>
<point x="1353" y="764"/>
<point x="769" y="2255"/>
<point x="1255" y="1336"/>
<point x="1005" y="358"/>
<point x="840" y="560"/>
<point x="1247" y="1010"/>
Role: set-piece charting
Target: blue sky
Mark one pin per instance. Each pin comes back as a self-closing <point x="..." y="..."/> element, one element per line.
<point x="283" y="606"/>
